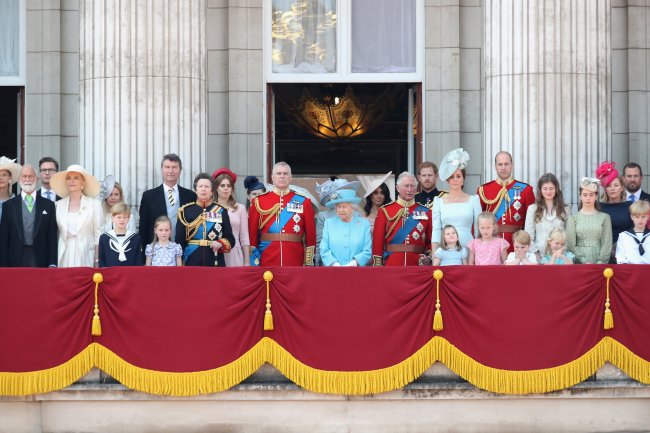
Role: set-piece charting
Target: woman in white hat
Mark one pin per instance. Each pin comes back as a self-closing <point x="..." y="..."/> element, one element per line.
<point x="456" y="208"/>
<point x="9" y="174"/>
<point x="346" y="237"/>
<point x="79" y="217"/>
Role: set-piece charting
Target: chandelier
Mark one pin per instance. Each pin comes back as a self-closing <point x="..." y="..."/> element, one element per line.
<point x="338" y="117"/>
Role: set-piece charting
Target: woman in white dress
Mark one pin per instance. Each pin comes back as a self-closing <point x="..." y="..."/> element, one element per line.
<point x="547" y="213"/>
<point x="456" y="208"/>
<point x="224" y="181"/>
<point x="79" y="217"/>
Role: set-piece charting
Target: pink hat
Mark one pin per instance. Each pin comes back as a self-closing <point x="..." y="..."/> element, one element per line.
<point x="606" y="173"/>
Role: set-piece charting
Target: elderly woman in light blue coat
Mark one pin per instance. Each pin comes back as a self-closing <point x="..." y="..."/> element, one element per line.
<point x="346" y="237"/>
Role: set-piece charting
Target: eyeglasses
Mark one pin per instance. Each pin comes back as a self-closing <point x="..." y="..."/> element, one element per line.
<point x="48" y="170"/>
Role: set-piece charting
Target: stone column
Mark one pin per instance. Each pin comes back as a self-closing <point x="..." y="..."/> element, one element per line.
<point x="142" y="89"/>
<point x="547" y="87"/>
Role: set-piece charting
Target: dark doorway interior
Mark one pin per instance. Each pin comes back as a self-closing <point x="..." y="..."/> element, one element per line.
<point x="9" y="99"/>
<point x="381" y="147"/>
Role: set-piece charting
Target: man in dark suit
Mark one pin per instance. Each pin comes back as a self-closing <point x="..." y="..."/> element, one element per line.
<point x="632" y="178"/>
<point x="28" y="231"/>
<point x="48" y="167"/>
<point x="165" y="199"/>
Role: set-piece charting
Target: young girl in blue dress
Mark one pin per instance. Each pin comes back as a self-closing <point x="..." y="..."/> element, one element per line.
<point x="556" y="252"/>
<point x="450" y="252"/>
<point x="162" y="251"/>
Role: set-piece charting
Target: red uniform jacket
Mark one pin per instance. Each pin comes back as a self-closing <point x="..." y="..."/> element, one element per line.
<point x="294" y="243"/>
<point x="509" y="201"/>
<point x="390" y="219"/>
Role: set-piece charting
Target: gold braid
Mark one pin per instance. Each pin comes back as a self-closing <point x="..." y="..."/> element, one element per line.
<point x="394" y="220"/>
<point x="193" y="227"/>
<point x="503" y="193"/>
<point x="268" y="213"/>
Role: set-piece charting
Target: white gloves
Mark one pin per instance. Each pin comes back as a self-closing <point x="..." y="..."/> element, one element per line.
<point x="352" y="263"/>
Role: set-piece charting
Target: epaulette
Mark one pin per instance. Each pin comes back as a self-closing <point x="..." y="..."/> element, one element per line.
<point x="442" y="194"/>
<point x="186" y="205"/>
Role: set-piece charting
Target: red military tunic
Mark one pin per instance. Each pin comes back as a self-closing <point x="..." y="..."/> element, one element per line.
<point x="390" y="219"/>
<point x="509" y="201"/>
<point x="292" y="244"/>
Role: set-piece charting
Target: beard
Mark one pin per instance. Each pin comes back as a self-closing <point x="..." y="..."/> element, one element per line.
<point x="27" y="188"/>
<point x="633" y="188"/>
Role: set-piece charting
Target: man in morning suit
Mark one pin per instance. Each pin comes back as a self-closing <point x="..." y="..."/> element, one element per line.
<point x="508" y="199"/>
<point x="281" y="224"/>
<point x="402" y="232"/>
<point x="28" y="232"/>
<point x="165" y="199"/>
<point x="428" y="177"/>
<point x="632" y="178"/>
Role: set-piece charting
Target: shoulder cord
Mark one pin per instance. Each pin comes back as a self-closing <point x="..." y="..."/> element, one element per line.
<point x="268" y="214"/>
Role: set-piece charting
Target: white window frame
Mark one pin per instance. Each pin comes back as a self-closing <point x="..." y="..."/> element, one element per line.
<point x="343" y="72"/>
<point x="21" y="78"/>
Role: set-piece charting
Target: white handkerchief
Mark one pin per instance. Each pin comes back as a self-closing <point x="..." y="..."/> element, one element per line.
<point x="44" y="212"/>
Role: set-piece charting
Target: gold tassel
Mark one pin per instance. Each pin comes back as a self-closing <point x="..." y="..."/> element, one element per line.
<point x="97" y="325"/>
<point x="609" y="317"/>
<point x="437" y="316"/>
<point x="268" y="316"/>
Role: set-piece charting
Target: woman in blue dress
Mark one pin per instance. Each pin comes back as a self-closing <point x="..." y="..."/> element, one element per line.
<point x="346" y="237"/>
<point x="456" y="208"/>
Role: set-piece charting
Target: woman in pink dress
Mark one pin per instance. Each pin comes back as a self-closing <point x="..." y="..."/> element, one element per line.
<point x="225" y="180"/>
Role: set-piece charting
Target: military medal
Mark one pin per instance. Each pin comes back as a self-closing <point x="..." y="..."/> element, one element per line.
<point x="416" y="236"/>
<point x="294" y="207"/>
<point x="517" y="205"/>
<point x="420" y="227"/>
<point x="296" y="218"/>
<point x="517" y="217"/>
<point x="212" y="235"/>
<point x="296" y="228"/>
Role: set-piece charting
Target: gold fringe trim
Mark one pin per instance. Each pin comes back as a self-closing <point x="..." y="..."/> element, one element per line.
<point x="50" y="379"/>
<point x="330" y="382"/>
<point x="180" y="384"/>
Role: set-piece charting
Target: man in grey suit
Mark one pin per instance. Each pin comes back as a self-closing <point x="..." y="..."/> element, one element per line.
<point x="28" y="231"/>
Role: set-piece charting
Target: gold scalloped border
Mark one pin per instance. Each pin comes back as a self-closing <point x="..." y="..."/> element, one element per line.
<point x="330" y="382"/>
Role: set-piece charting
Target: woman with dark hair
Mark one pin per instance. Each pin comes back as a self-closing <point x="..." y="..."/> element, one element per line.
<point x="547" y="213"/>
<point x="456" y="208"/>
<point x="253" y="188"/>
<point x="203" y="229"/>
<point x="377" y="195"/>
<point x="589" y="232"/>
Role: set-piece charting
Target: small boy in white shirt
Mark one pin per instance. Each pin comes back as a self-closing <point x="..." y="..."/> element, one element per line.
<point x="633" y="245"/>
<point x="521" y="255"/>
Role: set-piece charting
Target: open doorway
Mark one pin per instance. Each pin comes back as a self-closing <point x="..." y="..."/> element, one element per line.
<point x="10" y="122"/>
<point x="359" y="130"/>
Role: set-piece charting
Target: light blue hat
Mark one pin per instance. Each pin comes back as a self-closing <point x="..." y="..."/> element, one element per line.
<point x="325" y="189"/>
<point x="343" y="196"/>
<point x="454" y="160"/>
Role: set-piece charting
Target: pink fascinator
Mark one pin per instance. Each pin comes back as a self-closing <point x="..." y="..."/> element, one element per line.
<point x="606" y="173"/>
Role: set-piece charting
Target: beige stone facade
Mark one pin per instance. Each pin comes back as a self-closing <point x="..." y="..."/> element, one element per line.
<point x="458" y="88"/>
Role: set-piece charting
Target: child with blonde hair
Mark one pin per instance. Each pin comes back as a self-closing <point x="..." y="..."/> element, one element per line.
<point x="120" y="246"/>
<point x="450" y="252"/>
<point x="487" y="249"/>
<point x="556" y="252"/>
<point x="162" y="251"/>
<point x="521" y="255"/>
<point x="633" y="245"/>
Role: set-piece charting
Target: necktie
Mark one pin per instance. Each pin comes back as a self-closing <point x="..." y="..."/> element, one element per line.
<point x="631" y="198"/>
<point x="29" y="200"/>
<point x="49" y="195"/>
<point x="170" y="197"/>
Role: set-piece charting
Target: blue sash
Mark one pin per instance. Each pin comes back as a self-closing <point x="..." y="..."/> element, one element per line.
<point x="409" y="225"/>
<point x="200" y="235"/>
<point x="503" y="207"/>
<point x="285" y="216"/>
